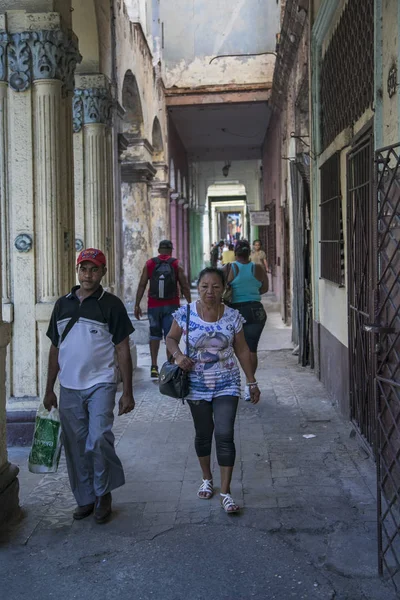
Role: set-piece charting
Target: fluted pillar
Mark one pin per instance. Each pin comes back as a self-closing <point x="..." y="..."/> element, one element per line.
<point x="47" y="172"/>
<point x="8" y="473"/>
<point x="38" y="55"/>
<point x="37" y="194"/>
<point x="4" y="200"/>
<point x="93" y="158"/>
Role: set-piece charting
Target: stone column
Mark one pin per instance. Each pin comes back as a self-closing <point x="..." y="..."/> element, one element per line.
<point x="8" y="473"/>
<point x="94" y="167"/>
<point x="180" y="248"/>
<point x="186" y="258"/>
<point x="38" y="71"/>
<point x="173" y="216"/>
<point x="37" y="61"/>
<point x="160" y="225"/>
<point x="136" y="178"/>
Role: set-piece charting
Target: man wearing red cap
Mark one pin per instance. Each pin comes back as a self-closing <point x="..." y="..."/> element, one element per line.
<point x="89" y="330"/>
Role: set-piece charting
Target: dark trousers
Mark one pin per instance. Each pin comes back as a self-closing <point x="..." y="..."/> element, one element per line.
<point x="218" y="415"/>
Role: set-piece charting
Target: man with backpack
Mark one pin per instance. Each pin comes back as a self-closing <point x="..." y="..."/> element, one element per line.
<point x="89" y="332"/>
<point x="166" y="276"/>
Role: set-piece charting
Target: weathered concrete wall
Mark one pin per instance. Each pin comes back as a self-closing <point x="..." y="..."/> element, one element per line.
<point x="136" y="219"/>
<point x="198" y="31"/>
<point x="387" y="55"/>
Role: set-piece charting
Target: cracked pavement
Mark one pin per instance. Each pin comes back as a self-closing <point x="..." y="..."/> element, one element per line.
<point x="307" y="529"/>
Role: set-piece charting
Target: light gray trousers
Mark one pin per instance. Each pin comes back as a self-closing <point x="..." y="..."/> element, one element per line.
<point x="87" y="418"/>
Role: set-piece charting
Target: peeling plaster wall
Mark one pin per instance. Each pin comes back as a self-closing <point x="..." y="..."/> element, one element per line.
<point x="388" y="113"/>
<point x="196" y="32"/>
<point x="136" y="236"/>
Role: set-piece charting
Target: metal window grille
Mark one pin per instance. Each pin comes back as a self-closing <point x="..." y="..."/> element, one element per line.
<point x="360" y="254"/>
<point x="387" y="340"/>
<point x="332" y="247"/>
<point x="347" y="70"/>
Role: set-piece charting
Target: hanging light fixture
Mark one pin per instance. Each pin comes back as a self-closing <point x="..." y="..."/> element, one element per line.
<point x="225" y="169"/>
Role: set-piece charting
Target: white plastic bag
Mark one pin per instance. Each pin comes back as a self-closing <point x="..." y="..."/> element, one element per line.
<point x="46" y="445"/>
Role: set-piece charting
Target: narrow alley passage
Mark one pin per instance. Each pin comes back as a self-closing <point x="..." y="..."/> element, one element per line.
<point x="307" y="529"/>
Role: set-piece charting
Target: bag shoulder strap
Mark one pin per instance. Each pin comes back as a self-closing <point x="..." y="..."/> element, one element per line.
<point x="75" y="319"/>
<point x="187" y="328"/>
<point x="234" y="269"/>
<point x="69" y="326"/>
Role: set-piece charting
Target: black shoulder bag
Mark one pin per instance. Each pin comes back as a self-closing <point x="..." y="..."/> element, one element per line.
<point x="174" y="381"/>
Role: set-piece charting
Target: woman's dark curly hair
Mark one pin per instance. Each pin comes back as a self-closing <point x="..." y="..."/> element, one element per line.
<point x="211" y="271"/>
<point x="242" y="248"/>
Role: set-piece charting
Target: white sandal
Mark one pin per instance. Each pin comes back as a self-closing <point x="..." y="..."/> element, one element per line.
<point x="228" y="504"/>
<point x="206" y="488"/>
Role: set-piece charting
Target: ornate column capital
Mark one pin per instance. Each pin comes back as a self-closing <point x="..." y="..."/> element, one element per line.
<point x="35" y="46"/>
<point x="93" y="101"/>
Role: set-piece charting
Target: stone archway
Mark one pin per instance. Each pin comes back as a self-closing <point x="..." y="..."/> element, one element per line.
<point x="157" y="141"/>
<point x="132" y="123"/>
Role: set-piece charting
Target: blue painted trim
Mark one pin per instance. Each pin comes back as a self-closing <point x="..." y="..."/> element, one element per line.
<point x="378" y="59"/>
<point x="324" y="19"/>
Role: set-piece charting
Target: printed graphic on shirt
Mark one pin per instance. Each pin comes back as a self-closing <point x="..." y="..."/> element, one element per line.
<point x="216" y="372"/>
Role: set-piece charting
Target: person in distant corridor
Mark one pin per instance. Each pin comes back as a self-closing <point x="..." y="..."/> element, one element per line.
<point x="215" y="337"/>
<point x="164" y="274"/>
<point x="216" y="255"/>
<point x="248" y="281"/>
<point x="89" y="329"/>
<point x="258" y="256"/>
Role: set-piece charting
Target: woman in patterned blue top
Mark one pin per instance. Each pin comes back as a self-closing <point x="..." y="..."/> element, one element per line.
<point x="216" y="338"/>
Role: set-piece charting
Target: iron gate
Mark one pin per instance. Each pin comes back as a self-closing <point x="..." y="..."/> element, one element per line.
<point x="386" y="332"/>
<point x="360" y="298"/>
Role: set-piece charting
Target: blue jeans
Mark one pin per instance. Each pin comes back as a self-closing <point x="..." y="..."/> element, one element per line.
<point x="160" y="320"/>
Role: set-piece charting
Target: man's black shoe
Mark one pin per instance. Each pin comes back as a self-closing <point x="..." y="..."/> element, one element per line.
<point x="102" y="509"/>
<point x="81" y="512"/>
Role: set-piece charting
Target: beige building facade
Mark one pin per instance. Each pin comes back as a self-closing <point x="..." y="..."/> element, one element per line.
<point x="83" y="162"/>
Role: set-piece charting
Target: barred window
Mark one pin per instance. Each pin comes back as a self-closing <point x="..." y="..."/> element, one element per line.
<point x="332" y="247"/>
<point x="347" y="70"/>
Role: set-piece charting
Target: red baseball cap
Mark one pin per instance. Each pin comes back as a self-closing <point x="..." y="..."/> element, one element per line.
<point x="92" y="255"/>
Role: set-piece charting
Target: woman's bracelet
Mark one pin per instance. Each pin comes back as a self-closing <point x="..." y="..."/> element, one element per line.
<point x="253" y="384"/>
<point x="176" y="352"/>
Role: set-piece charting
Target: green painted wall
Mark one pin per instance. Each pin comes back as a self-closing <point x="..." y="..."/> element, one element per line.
<point x="196" y="244"/>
